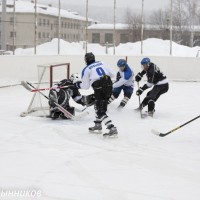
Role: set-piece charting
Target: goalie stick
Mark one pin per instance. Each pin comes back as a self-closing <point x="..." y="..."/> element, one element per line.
<point x="63" y="110"/>
<point x="41" y="89"/>
<point x="165" y="134"/>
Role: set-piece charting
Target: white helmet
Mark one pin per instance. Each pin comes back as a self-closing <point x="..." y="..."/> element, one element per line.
<point x="75" y="78"/>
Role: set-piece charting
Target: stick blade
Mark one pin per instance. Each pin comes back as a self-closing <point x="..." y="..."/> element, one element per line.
<point x="155" y="132"/>
<point x="24" y="84"/>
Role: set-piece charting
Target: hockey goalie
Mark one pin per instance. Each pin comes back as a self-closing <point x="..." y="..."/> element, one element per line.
<point x="61" y="94"/>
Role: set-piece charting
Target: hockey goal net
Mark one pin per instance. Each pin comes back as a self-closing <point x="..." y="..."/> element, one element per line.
<point x="48" y="74"/>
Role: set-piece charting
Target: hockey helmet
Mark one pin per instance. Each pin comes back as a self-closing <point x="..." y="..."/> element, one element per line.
<point x="121" y="63"/>
<point x="145" y="61"/>
<point x="75" y="78"/>
<point x="89" y="58"/>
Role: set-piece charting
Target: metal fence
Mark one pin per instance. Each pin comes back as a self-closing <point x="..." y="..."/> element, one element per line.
<point x="4" y="22"/>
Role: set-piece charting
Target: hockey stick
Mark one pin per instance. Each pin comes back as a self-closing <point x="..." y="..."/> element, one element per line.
<point x="165" y="134"/>
<point x="63" y="110"/>
<point x="41" y="89"/>
<point x="139" y="101"/>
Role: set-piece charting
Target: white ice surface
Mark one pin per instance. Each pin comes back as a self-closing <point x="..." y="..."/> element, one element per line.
<point x="67" y="163"/>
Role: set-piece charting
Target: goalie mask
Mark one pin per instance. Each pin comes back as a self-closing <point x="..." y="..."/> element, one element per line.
<point x="75" y="78"/>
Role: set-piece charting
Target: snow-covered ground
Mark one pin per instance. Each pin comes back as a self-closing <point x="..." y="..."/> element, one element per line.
<point x="67" y="163"/>
<point x="152" y="47"/>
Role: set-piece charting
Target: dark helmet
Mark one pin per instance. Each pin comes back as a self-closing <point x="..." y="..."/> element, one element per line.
<point x="89" y="58"/>
<point x="121" y="63"/>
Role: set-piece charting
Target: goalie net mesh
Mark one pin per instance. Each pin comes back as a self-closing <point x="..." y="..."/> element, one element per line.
<point x="48" y="74"/>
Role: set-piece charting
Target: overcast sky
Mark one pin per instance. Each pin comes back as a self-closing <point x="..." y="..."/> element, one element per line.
<point x="149" y="4"/>
<point x="102" y="10"/>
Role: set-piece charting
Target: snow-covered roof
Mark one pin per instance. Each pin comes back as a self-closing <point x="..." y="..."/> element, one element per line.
<point x="109" y="26"/>
<point x="146" y="27"/>
<point x="29" y="7"/>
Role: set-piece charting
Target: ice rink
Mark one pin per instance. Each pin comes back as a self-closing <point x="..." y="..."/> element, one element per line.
<point x="67" y="163"/>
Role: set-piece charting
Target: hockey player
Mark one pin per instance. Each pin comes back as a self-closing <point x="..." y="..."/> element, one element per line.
<point x="154" y="78"/>
<point x="124" y="82"/>
<point x="62" y="96"/>
<point x="98" y="75"/>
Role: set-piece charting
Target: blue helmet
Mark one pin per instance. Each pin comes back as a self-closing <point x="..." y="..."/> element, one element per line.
<point x="121" y="63"/>
<point x="145" y="61"/>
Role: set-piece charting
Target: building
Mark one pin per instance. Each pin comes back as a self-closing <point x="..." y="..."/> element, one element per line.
<point x="104" y="34"/>
<point x="72" y="27"/>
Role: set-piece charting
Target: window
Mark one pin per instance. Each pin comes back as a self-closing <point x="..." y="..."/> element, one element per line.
<point x="109" y="38"/>
<point x="48" y="22"/>
<point x="55" y="23"/>
<point x="44" y="22"/>
<point x="40" y="22"/>
<point x="62" y="24"/>
<point x="43" y="35"/>
<point x="11" y="20"/>
<point x="124" y="38"/>
<point x="95" y="37"/>
<point x="65" y="24"/>
<point x="13" y="34"/>
<point x="39" y="35"/>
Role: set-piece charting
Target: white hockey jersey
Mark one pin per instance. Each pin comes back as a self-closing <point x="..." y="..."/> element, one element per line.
<point x="126" y="78"/>
<point x="94" y="72"/>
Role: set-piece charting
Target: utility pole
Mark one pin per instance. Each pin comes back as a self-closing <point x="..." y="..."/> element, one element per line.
<point x="171" y="26"/>
<point x="86" y="28"/>
<point x="14" y="35"/>
<point x="36" y="24"/>
<point x="114" y="28"/>
<point x="3" y="27"/>
<point x="59" y="23"/>
<point x="192" y="24"/>
<point x="142" y="27"/>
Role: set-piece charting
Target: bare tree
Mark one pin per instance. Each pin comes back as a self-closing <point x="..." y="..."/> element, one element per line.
<point x="134" y="22"/>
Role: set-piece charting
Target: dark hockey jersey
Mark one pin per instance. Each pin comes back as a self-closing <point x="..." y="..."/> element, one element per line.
<point x="62" y="95"/>
<point x="73" y="91"/>
<point x="154" y="75"/>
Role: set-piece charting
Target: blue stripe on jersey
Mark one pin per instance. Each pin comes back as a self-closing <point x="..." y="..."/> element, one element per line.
<point x="83" y="72"/>
<point x="128" y="73"/>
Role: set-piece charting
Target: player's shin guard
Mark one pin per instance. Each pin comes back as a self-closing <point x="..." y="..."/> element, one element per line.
<point x="124" y="102"/>
<point x="112" y="98"/>
<point x="106" y="120"/>
<point x="151" y="107"/>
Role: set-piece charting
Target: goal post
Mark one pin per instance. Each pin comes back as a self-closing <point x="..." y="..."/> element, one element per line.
<point x="53" y="66"/>
<point x="48" y="74"/>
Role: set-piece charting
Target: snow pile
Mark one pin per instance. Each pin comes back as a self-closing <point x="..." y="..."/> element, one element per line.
<point x="152" y="47"/>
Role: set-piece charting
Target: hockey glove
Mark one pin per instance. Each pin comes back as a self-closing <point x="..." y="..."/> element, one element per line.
<point x="138" y="77"/>
<point x="118" y="76"/>
<point x="139" y="92"/>
<point x="77" y="85"/>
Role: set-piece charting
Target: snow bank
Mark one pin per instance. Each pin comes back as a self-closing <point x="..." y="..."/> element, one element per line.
<point x="152" y="47"/>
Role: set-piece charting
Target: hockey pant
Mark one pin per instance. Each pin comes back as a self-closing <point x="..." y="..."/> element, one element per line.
<point x="128" y="91"/>
<point x="102" y="92"/>
<point x="153" y="95"/>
